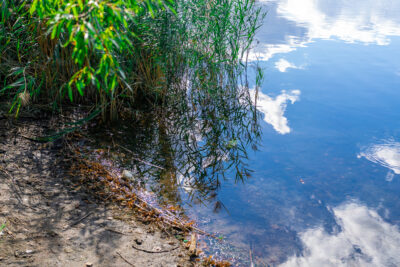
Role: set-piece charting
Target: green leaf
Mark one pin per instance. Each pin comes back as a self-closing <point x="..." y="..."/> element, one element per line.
<point x="80" y="86"/>
<point x="2" y="227"/>
<point x="33" y="7"/>
<point x="150" y="7"/>
<point x="70" y="93"/>
<point x="113" y="83"/>
<point x="54" y="31"/>
<point x="75" y="12"/>
<point x="80" y="3"/>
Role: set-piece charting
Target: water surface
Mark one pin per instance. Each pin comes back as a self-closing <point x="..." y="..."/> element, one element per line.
<point x="325" y="190"/>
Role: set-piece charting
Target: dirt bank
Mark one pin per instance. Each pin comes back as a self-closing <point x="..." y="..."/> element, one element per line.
<point x="51" y="222"/>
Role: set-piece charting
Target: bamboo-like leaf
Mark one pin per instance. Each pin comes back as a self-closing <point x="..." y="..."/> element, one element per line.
<point x="80" y="3"/>
<point x="113" y="83"/>
<point x="54" y="31"/>
<point x="80" y="86"/>
<point x="70" y="93"/>
<point x="33" y="6"/>
<point x="75" y="12"/>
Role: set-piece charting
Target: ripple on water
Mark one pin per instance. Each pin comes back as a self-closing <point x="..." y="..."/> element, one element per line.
<point x="387" y="154"/>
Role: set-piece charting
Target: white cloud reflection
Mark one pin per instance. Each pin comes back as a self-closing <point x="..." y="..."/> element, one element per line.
<point x="351" y="21"/>
<point x="266" y="51"/>
<point x="365" y="239"/>
<point x="282" y="65"/>
<point x="274" y="108"/>
<point x="389" y="176"/>
<point x="365" y="21"/>
<point x="386" y="154"/>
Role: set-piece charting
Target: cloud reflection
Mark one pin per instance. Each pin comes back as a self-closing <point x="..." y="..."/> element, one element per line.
<point x="361" y="21"/>
<point x="282" y="65"/>
<point x="365" y="239"/>
<point x="266" y="51"/>
<point x="365" y="21"/>
<point x="386" y="154"/>
<point x="274" y="108"/>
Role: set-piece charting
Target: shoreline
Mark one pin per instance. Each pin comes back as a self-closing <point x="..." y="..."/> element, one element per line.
<point x="51" y="221"/>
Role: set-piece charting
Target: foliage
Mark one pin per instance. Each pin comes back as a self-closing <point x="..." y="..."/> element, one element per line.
<point x="75" y="45"/>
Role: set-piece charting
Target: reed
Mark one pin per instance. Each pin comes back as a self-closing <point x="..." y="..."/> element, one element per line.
<point x="115" y="52"/>
<point x="183" y="60"/>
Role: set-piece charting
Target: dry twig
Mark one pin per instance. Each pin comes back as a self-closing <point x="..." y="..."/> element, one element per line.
<point x="140" y="160"/>
<point x="150" y="251"/>
<point x="119" y="254"/>
<point x="79" y="220"/>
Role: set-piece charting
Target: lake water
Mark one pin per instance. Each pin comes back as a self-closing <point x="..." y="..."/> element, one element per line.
<point x="326" y="184"/>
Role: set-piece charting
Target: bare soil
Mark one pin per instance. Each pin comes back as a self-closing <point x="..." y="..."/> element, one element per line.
<point x="50" y="222"/>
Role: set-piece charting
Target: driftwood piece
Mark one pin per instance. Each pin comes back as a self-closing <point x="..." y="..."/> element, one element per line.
<point x="193" y="244"/>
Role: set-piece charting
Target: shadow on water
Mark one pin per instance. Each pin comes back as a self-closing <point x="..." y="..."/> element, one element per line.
<point x="183" y="155"/>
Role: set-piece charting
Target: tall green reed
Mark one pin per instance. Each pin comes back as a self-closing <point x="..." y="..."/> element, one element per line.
<point x="185" y="61"/>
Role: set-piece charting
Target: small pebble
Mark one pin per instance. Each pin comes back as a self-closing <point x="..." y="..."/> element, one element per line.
<point x="68" y="250"/>
<point x="139" y="241"/>
<point x="127" y="174"/>
<point x="23" y="254"/>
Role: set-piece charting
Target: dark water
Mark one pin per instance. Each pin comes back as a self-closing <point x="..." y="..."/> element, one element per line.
<point x="326" y="184"/>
